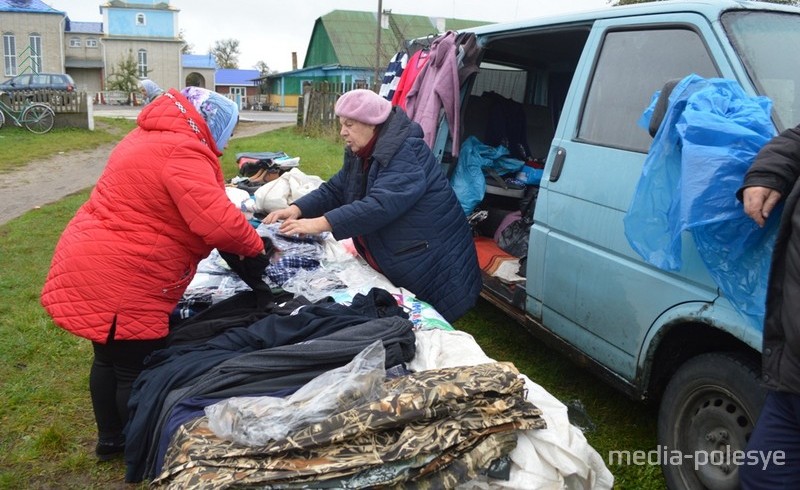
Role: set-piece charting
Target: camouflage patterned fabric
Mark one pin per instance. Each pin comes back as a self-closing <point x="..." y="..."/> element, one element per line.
<point x="433" y="429"/>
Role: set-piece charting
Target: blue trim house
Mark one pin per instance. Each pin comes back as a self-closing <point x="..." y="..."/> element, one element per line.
<point x="241" y="85"/>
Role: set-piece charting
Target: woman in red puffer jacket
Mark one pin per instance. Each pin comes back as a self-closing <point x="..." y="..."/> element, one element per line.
<point x="124" y="261"/>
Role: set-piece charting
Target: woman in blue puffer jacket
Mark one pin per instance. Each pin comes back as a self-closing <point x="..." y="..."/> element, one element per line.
<point x="393" y="199"/>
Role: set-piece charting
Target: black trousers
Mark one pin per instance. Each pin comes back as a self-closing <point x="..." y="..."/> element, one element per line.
<point x="115" y="367"/>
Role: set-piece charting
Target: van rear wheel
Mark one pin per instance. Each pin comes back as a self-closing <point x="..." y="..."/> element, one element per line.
<point x="707" y="414"/>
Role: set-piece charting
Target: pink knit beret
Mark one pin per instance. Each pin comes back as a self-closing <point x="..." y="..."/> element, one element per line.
<point x="364" y="106"/>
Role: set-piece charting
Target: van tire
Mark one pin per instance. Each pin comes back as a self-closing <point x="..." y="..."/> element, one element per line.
<point x="710" y="404"/>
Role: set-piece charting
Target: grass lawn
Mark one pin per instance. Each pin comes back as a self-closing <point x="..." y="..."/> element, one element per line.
<point x="20" y="146"/>
<point x="47" y="431"/>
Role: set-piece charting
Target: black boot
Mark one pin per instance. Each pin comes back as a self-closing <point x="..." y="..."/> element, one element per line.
<point x="110" y="448"/>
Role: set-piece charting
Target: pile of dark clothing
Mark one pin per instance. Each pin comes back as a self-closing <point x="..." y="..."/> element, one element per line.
<point x="440" y="426"/>
<point x="433" y="429"/>
<point x="276" y="354"/>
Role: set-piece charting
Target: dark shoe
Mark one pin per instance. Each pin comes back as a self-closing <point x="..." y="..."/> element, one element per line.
<point x="108" y="450"/>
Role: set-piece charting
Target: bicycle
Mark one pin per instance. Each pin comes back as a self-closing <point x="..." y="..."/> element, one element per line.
<point x="35" y="117"/>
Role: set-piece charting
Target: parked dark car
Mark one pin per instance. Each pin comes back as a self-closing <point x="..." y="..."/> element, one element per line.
<point x="59" y="82"/>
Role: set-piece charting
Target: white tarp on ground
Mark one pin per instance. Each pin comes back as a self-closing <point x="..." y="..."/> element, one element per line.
<point x="553" y="458"/>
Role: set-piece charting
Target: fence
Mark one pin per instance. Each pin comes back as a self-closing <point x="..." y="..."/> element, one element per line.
<point x="113" y="97"/>
<point x="316" y="108"/>
<point x="70" y="107"/>
<point x="59" y="100"/>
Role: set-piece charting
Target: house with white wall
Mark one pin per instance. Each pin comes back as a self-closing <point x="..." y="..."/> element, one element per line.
<point x="38" y="38"/>
<point x="33" y="40"/>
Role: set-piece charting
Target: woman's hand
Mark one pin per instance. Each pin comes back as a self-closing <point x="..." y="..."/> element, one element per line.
<point x="312" y="226"/>
<point x="292" y="212"/>
<point x="759" y="202"/>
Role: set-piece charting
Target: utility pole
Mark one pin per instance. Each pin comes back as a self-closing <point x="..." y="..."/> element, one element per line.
<point x="378" y="48"/>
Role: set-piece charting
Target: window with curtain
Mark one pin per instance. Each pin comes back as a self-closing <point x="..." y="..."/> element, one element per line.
<point x="9" y="55"/>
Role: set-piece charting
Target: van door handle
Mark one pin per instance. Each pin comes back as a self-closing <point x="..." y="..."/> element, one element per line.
<point x="558" y="164"/>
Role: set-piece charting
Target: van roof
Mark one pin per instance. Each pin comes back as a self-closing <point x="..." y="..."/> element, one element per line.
<point x="710" y="9"/>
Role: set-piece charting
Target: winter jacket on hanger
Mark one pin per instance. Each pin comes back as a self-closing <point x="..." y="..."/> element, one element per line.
<point x="391" y="78"/>
<point x="409" y="76"/>
<point x="435" y="88"/>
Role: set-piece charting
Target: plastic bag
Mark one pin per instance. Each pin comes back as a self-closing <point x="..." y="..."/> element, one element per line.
<point x="468" y="181"/>
<point x="514" y="238"/>
<point x="256" y="420"/>
<point x="315" y="284"/>
<point x="284" y="190"/>
<point x="710" y="135"/>
<point x="422" y="315"/>
<point x="530" y="175"/>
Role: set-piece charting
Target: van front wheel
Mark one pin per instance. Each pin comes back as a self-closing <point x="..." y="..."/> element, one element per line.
<point x="706" y="416"/>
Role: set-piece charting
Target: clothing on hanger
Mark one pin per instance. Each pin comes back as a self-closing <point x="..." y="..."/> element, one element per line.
<point x="391" y="78"/>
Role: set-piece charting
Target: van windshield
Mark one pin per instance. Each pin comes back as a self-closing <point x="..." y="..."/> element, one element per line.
<point x="767" y="44"/>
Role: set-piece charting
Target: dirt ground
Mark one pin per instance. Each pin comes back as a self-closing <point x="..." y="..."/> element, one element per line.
<point x="49" y="180"/>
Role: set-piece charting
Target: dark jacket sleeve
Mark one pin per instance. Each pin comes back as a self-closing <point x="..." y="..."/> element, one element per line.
<point x="396" y="188"/>
<point x="777" y="165"/>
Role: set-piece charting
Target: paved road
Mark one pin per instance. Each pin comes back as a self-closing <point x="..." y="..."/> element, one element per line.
<point x="49" y="179"/>
<point x="247" y="115"/>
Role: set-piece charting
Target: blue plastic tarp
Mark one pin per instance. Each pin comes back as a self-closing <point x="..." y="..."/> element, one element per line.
<point x="710" y="135"/>
<point x="468" y="180"/>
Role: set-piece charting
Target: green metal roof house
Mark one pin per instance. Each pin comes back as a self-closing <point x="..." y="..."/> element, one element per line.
<point x="343" y="51"/>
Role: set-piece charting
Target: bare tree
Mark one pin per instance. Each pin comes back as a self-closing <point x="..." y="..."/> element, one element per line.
<point x="262" y="67"/>
<point x="187" y="47"/>
<point x="226" y="53"/>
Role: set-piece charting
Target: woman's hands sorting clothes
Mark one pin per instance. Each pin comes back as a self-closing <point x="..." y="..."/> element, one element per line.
<point x="291" y="212"/>
<point x="312" y="226"/>
<point x="251" y="270"/>
<point x="294" y="225"/>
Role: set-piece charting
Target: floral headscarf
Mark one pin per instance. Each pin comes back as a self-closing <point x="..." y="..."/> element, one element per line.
<point x="219" y="112"/>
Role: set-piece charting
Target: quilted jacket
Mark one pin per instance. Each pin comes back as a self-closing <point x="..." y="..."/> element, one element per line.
<point x="409" y="216"/>
<point x="158" y="208"/>
<point x="437" y="87"/>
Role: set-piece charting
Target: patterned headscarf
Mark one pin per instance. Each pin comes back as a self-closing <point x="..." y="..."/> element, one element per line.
<point x="219" y="112"/>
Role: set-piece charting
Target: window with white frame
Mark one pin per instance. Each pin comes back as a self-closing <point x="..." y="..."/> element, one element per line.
<point x="140" y="19"/>
<point x="142" y="68"/>
<point x="238" y="95"/>
<point x="35" y="40"/>
<point x="9" y="54"/>
<point x="91" y="42"/>
<point x="74" y="42"/>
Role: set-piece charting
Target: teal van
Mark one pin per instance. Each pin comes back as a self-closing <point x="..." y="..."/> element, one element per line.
<point x="582" y="82"/>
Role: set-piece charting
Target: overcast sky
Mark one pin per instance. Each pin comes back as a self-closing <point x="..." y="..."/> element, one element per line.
<point x="270" y="30"/>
